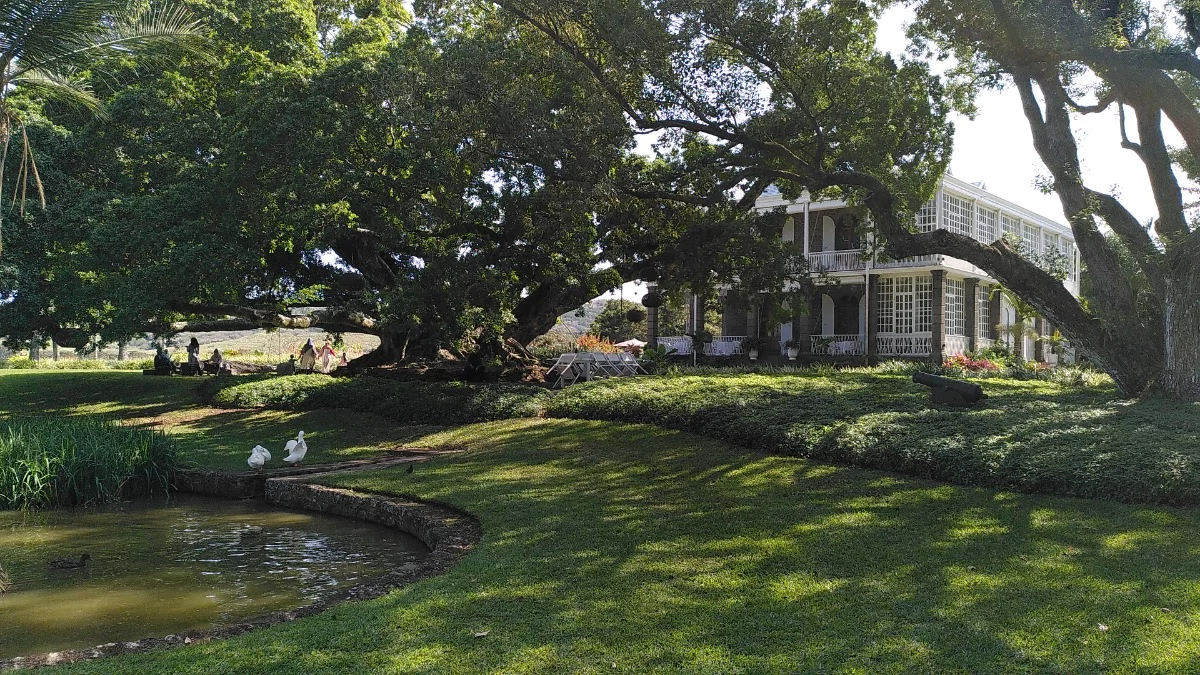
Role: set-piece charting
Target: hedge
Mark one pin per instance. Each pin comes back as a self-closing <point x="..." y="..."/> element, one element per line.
<point x="1029" y="436"/>
<point x="405" y="402"/>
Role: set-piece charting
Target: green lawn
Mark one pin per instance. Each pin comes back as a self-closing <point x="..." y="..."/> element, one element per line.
<point x="662" y="551"/>
<point x="659" y="551"/>
<point x="206" y="436"/>
<point x="1031" y="436"/>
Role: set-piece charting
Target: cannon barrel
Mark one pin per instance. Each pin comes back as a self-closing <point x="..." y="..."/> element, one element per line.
<point x="969" y="390"/>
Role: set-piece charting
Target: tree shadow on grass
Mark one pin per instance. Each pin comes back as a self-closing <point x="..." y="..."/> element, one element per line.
<point x="663" y="552"/>
<point x="224" y="438"/>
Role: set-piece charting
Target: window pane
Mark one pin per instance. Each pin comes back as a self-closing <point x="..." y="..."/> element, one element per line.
<point x="957" y="214"/>
<point x="956" y="310"/>
<point x="1032" y="239"/>
<point x="987" y="226"/>
<point x="927" y="217"/>
<point x="887" y="300"/>
<point x="924" y="304"/>
<point x="983" y="312"/>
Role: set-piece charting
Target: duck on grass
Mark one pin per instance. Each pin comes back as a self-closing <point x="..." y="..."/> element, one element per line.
<point x="295" y="451"/>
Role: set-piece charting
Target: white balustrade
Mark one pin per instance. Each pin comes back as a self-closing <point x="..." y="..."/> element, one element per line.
<point x="915" y="261"/>
<point x="725" y="345"/>
<point x="904" y="344"/>
<point x="838" y="345"/>
<point x="682" y="344"/>
<point x="957" y="344"/>
<point x="984" y="343"/>
<point x="836" y="261"/>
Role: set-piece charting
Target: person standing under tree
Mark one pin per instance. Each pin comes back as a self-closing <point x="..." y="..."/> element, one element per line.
<point x="327" y="356"/>
<point x="308" y="357"/>
<point x="193" y="356"/>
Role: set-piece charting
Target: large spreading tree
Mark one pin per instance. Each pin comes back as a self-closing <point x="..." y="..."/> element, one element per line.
<point x="1067" y="59"/>
<point x="445" y="183"/>
<point x="793" y="92"/>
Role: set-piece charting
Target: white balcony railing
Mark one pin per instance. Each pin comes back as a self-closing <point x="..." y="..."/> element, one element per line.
<point x="682" y="344"/>
<point x="725" y="345"/>
<point x="906" y="344"/>
<point x="837" y="261"/>
<point x="838" y="345"/>
<point x="984" y="343"/>
<point x="957" y="344"/>
<point x="914" y="261"/>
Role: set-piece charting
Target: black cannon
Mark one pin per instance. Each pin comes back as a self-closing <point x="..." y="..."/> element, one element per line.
<point x="950" y="392"/>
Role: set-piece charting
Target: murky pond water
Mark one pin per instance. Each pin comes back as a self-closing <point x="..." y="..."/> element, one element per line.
<point x="158" y="568"/>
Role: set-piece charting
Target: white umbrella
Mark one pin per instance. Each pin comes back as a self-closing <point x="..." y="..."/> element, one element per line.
<point x="631" y="343"/>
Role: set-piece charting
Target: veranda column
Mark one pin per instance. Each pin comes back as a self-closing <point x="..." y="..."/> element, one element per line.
<point x="1039" y="347"/>
<point x="872" y="318"/>
<point x="938" y="348"/>
<point x="994" y="313"/>
<point x="652" y="320"/>
<point x="806" y="230"/>
<point x="689" y="321"/>
<point x="971" y="304"/>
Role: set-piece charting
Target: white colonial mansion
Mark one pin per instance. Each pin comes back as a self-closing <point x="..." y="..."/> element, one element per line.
<point x="925" y="307"/>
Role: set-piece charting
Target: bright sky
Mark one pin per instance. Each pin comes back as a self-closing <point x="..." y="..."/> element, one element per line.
<point x="997" y="148"/>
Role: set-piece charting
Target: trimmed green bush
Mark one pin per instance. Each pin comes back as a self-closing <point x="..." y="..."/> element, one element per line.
<point x="406" y="402"/>
<point x="46" y="463"/>
<point x="1032" y="436"/>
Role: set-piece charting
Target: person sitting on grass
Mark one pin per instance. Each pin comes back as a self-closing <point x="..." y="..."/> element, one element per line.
<point x="163" y="365"/>
<point x="213" y="364"/>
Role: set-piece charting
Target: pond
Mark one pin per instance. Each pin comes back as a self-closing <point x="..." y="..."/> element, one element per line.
<point x="162" y="568"/>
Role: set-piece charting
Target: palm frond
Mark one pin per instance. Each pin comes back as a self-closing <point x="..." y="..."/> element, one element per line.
<point x="59" y="86"/>
<point x="167" y="27"/>
<point x="36" y="33"/>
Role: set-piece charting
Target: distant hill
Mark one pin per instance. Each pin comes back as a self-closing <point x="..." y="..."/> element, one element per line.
<point x="577" y="322"/>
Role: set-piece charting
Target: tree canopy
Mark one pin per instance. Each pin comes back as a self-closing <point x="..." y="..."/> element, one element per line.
<point x="1071" y="58"/>
<point x="794" y="93"/>
<point x="444" y="182"/>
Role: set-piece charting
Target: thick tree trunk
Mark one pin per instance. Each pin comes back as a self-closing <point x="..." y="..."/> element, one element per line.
<point x="1180" y="376"/>
<point x="393" y="348"/>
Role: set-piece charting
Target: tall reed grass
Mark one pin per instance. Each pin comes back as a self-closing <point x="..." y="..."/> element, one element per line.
<point x="50" y="463"/>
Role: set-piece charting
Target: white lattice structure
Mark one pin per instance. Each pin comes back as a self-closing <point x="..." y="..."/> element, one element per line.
<point x="930" y="305"/>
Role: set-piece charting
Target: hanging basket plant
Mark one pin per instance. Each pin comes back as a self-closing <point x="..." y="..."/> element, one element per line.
<point x="653" y="299"/>
<point x="351" y="282"/>
<point x="648" y="274"/>
<point x="635" y="316"/>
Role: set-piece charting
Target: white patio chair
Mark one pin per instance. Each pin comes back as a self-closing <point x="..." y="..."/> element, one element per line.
<point x="632" y="367"/>
<point x="609" y="365"/>
<point x="567" y="372"/>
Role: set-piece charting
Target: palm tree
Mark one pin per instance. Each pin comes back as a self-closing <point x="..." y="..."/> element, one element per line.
<point x="1019" y="329"/>
<point x="47" y="47"/>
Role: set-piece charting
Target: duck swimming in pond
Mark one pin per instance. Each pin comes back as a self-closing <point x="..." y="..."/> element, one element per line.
<point x="68" y="564"/>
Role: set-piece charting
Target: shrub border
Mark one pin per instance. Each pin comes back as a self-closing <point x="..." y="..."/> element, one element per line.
<point x="449" y="532"/>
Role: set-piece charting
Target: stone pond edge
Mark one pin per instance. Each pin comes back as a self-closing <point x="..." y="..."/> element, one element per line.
<point x="449" y="533"/>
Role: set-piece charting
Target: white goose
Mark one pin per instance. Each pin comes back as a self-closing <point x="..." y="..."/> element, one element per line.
<point x="296" y="450"/>
<point x="258" y="457"/>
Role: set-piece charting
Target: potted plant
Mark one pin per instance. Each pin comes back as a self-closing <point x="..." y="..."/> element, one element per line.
<point x="752" y="346"/>
<point x="793" y="349"/>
